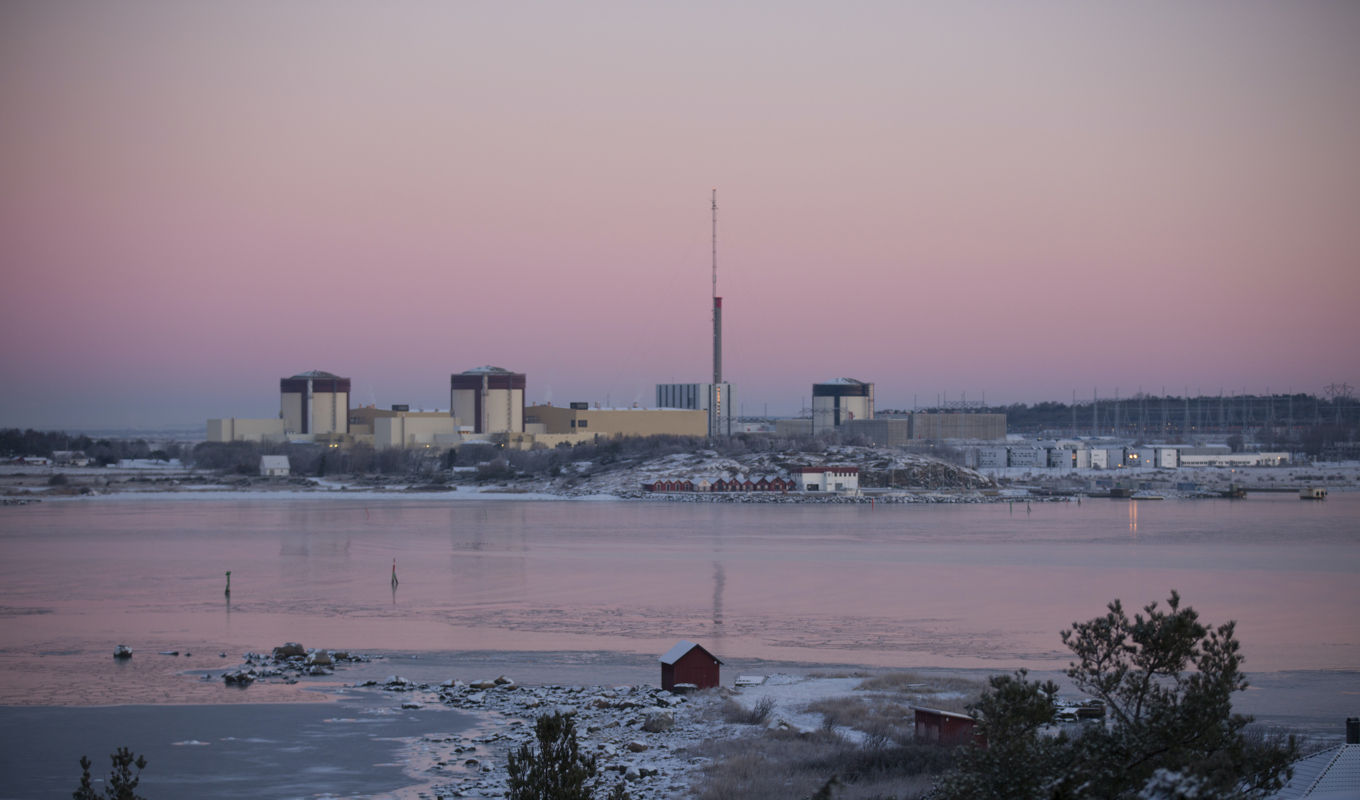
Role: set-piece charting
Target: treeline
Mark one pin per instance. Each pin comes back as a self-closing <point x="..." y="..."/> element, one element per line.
<point x="493" y="462"/>
<point x="15" y="443"/>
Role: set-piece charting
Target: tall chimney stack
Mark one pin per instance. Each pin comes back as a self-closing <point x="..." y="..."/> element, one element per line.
<point x="1352" y="730"/>
<point x="717" y="301"/>
<point x="717" y="340"/>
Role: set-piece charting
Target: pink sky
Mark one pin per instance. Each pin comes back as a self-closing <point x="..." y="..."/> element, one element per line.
<point x="197" y="199"/>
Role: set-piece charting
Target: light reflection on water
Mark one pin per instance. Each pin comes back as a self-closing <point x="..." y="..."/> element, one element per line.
<point x="889" y="585"/>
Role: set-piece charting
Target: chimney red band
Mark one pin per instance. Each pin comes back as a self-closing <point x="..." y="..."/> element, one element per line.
<point x="717" y="302"/>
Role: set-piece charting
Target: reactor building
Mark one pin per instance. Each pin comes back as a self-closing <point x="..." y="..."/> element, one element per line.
<point x="313" y="403"/>
<point x="838" y="401"/>
<point x="491" y="399"/>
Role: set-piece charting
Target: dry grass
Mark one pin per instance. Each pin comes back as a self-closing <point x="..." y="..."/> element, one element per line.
<point x="875" y="716"/>
<point x="916" y="683"/>
<point x="780" y="766"/>
<point x="735" y="713"/>
<point x="942" y="693"/>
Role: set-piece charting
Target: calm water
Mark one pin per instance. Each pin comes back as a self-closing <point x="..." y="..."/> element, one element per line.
<point x="909" y="586"/>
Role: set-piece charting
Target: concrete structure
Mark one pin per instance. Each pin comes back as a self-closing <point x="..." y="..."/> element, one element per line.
<point x="1026" y="456"/>
<point x="826" y="479"/>
<point x="992" y="457"/>
<point x="840" y="400"/>
<point x="717" y="400"/>
<point x="274" y="466"/>
<point x="314" y="402"/>
<point x="246" y="430"/>
<point x="581" y="418"/>
<point x="1235" y="460"/>
<point x="792" y="428"/>
<point x="411" y="429"/>
<point x="490" y="399"/>
<point x="945" y="727"/>
<point x="689" y="663"/>
<point x="958" y="426"/>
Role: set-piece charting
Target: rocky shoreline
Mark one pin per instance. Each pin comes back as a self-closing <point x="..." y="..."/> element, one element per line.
<point x="639" y="734"/>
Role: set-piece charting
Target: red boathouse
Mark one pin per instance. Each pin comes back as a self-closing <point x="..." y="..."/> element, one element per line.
<point x="687" y="662"/>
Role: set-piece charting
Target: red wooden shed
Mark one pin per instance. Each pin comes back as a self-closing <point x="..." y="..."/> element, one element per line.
<point x="945" y="727"/>
<point x="687" y="662"/>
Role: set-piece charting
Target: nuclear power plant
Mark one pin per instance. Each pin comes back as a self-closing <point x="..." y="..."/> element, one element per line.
<point x="489" y="404"/>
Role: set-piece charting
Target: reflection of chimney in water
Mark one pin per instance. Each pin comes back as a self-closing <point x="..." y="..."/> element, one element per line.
<point x="719" y="579"/>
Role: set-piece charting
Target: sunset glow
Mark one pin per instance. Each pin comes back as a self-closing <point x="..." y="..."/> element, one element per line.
<point x="199" y="199"/>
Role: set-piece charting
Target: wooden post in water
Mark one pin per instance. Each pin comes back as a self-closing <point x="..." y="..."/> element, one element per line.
<point x="394" y="573"/>
<point x="228" y="591"/>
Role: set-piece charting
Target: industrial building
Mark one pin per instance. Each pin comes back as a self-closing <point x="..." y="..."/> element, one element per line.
<point x="826" y="479"/>
<point x="245" y="430"/>
<point x="840" y="400"/>
<point x="581" y="418"/>
<point x="490" y="399"/>
<point x="1102" y="455"/>
<point x="718" y="401"/>
<point x="314" y="402"/>
<point x="901" y="430"/>
<point x="310" y="404"/>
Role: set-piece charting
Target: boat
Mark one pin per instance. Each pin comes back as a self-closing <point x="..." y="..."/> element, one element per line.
<point x="1145" y="496"/>
<point x="1312" y="493"/>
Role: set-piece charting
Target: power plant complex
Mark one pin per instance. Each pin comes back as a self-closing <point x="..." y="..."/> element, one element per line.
<point x="488" y="404"/>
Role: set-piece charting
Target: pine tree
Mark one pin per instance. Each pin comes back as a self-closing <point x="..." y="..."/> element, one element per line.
<point x="1167" y="682"/>
<point x="122" y="781"/>
<point x="554" y="770"/>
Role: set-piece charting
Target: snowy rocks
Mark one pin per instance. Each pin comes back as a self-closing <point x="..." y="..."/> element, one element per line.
<point x="658" y="720"/>
<point x="238" y="677"/>
<point x="319" y="658"/>
<point x="289" y="650"/>
<point x="637" y="747"/>
<point x="122" y="651"/>
<point x="484" y="684"/>
<point x="411" y="706"/>
<point x="502" y="681"/>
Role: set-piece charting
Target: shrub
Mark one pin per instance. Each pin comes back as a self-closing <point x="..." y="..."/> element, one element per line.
<point x="122" y="782"/>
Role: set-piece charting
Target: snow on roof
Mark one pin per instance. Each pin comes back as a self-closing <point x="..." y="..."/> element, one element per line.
<point x="1334" y="772"/>
<point x="842" y="382"/>
<point x="953" y="714"/>
<point x="488" y="370"/>
<point x="678" y="652"/>
<point x="316" y="373"/>
<point x="274" y="462"/>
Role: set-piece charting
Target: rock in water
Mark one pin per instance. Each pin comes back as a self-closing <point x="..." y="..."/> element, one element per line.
<point x="319" y="658"/>
<point x="289" y="650"/>
<point x="122" y="651"/>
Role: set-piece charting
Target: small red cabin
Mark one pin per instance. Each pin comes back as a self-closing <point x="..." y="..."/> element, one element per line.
<point x="945" y="727"/>
<point x="687" y="662"/>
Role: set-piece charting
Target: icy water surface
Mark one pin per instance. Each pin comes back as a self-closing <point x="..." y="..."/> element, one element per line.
<point x="959" y="586"/>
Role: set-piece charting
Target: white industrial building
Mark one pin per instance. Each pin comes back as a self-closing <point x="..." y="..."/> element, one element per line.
<point x="490" y="399"/>
<point x="826" y="479"/>
<point x="314" y="402"/>
<point x="1083" y="455"/>
<point x="719" y="400"/>
<point x="840" y="400"/>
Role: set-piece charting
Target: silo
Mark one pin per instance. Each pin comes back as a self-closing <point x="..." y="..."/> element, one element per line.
<point x="840" y="400"/>
<point x="314" y="402"/>
<point x="491" y="399"/>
